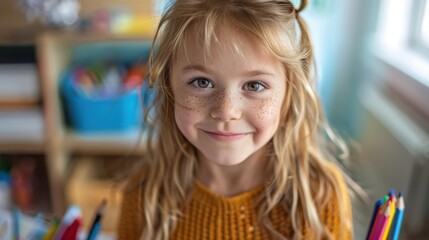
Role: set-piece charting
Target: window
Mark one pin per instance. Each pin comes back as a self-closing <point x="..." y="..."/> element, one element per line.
<point x="402" y="36"/>
<point x="424" y="30"/>
<point x="402" y="45"/>
<point x="419" y="26"/>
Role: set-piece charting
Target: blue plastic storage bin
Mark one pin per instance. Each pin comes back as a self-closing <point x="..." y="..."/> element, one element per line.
<point x="116" y="114"/>
<point x="88" y="115"/>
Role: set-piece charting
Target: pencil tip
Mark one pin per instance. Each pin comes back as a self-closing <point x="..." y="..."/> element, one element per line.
<point x="401" y="204"/>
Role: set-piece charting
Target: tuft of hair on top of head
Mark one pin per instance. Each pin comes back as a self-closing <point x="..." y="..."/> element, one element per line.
<point x="302" y="6"/>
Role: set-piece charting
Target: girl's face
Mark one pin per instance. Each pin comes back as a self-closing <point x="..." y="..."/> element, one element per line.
<point x="228" y="102"/>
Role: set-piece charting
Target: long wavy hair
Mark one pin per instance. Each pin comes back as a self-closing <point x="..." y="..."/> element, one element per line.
<point x="303" y="146"/>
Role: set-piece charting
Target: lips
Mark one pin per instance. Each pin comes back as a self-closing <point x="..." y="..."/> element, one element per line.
<point x="226" y="136"/>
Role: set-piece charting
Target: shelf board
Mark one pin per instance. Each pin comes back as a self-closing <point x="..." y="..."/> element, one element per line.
<point x="76" y="37"/>
<point x="21" y="146"/>
<point x="106" y="143"/>
<point x="18" y="37"/>
<point x="22" y="130"/>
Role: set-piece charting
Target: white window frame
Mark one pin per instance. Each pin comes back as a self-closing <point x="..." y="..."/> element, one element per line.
<point x="419" y="7"/>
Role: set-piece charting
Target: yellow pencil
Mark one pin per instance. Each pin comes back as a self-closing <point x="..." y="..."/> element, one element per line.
<point x="52" y="229"/>
<point x="392" y="214"/>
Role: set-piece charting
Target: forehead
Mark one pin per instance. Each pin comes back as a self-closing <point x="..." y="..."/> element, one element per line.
<point x="226" y="42"/>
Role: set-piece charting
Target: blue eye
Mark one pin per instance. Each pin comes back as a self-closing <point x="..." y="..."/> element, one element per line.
<point x="201" y="83"/>
<point x="254" y="86"/>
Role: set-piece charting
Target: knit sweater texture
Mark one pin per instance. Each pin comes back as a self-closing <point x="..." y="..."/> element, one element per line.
<point x="211" y="216"/>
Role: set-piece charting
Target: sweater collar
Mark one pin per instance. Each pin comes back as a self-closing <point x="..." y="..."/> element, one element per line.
<point x="212" y="199"/>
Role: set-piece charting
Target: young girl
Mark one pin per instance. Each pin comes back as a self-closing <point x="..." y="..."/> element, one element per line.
<point x="239" y="146"/>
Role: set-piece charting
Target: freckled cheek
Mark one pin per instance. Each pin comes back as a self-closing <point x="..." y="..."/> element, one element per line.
<point x="267" y="110"/>
<point x="188" y="111"/>
<point x="190" y="101"/>
<point x="183" y="116"/>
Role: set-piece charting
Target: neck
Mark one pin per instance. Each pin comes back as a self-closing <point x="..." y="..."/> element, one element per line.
<point x="232" y="180"/>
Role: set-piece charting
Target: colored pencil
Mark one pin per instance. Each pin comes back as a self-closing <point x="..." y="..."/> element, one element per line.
<point x="96" y="224"/>
<point x="380" y="221"/>
<point x="95" y="230"/>
<point x="52" y="229"/>
<point x="392" y="208"/>
<point x="71" y="232"/>
<point x="377" y="205"/>
<point x="399" y="215"/>
<point x="73" y="213"/>
<point x="16" y="223"/>
<point x="392" y="192"/>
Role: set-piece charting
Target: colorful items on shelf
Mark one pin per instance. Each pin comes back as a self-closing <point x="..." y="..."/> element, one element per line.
<point x="5" y="190"/>
<point x="22" y="175"/>
<point x="102" y="98"/>
<point x="103" y="81"/>
<point x="118" y="21"/>
<point x="21" y="178"/>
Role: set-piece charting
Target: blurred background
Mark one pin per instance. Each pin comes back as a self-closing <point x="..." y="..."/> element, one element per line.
<point x="69" y="71"/>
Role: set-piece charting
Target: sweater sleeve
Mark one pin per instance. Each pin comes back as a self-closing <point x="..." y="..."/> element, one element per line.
<point x="331" y="213"/>
<point x="130" y="219"/>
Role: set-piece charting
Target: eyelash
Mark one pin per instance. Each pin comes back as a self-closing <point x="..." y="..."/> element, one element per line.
<point x="259" y="84"/>
<point x="194" y="83"/>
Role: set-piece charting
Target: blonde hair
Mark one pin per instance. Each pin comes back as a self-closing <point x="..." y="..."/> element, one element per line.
<point x="301" y="178"/>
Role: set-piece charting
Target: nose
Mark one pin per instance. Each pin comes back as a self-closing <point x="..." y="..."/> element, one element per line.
<point x="226" y="107"/>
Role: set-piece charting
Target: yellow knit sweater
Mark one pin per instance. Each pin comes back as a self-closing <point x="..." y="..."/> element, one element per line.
<point x="211" y="216"/>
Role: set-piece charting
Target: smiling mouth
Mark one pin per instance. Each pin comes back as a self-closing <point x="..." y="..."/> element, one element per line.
<point x="225" y="136"/>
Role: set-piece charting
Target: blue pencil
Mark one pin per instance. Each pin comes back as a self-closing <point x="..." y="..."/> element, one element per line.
<point x="378" y="203"/>
<point x="392" y="192"/>
<point x="16" y="223"/>
<point x="96" y="229"/>
<point x="397" y="221"/>
<point x="96" y="224"/>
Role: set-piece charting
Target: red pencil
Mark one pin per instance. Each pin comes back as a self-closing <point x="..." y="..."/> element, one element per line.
<point x="72" y="231"/>
<point x="380" y="222"/>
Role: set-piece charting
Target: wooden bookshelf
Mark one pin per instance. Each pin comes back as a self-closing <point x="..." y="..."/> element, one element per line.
<point x="54" y="55"/>
<point x="59" y="145"/>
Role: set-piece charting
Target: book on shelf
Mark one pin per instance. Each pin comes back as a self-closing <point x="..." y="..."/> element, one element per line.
<point x="22" y="125"/>
<point x="19" y="83"/>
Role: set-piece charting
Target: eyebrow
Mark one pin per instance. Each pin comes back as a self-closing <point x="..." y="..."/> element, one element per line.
<point x="197" y="67"/>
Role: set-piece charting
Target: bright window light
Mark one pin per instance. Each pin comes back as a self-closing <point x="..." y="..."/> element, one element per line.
<point x="424" y="31"/>
<point x="394" y="22"/>
<point x="403" y="36"/>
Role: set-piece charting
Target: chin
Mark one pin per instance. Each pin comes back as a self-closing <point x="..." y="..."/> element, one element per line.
<point x="226" y="160"/>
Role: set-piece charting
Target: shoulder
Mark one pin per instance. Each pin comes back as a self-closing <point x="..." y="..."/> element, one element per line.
<point x="338" y="177"/>
<point x="131" y="218"/>
<point x="328" y="183"/>
<point x="336" y="213"/>
<point x="339" y="193"/>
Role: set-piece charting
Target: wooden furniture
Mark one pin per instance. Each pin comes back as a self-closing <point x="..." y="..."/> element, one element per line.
<point x="54" y="52"/>
<point x="60" y="146"/>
